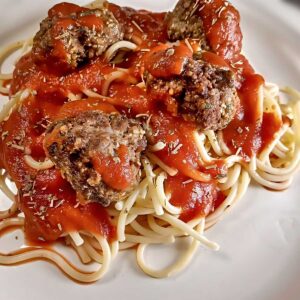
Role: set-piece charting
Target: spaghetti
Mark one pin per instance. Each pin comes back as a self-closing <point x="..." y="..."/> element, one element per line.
<point x="189" y="176"/>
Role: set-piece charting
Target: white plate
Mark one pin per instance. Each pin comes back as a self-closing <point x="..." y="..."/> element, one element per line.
<point x="260" y="238"/>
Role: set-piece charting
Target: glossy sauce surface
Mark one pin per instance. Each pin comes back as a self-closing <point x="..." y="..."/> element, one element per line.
<point x="117" y="175"/>
<point x="195" y="198"/>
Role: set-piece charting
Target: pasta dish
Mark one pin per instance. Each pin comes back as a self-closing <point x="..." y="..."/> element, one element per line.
<point x="125" y="128"/>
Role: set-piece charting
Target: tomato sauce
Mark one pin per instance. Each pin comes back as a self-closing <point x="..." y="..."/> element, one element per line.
<point x="130" y="99"/>
<point x="73" y="108"/>
<point x="44" y="80"/>
<point x="52" y="208"/>
<point x="143" y="27"/>
<point x="196" y="199"/>
<point x="181" y="151"/>
<point x="163" y="64"/>
<point x="116" y="174"/>
<point x="47" y="199"/>
<point x="221" y="23"/>
<point x="6" y="84"/>
<point x="251" y="130"/>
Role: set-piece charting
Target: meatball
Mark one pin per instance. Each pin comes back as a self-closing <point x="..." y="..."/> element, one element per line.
<point x="98" y="153"/>
<point x="71" y="35"/>
<point x="205" y="93"/>
<point x="211" y="99"/>
<point x="183" y="23"/>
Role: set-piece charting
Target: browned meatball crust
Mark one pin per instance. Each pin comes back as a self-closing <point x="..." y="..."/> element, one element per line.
<point x="183" y="23"/>
<point x="71" y="144"/>
<point x="72" y="39"/>
<point x="205" y="93"/>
